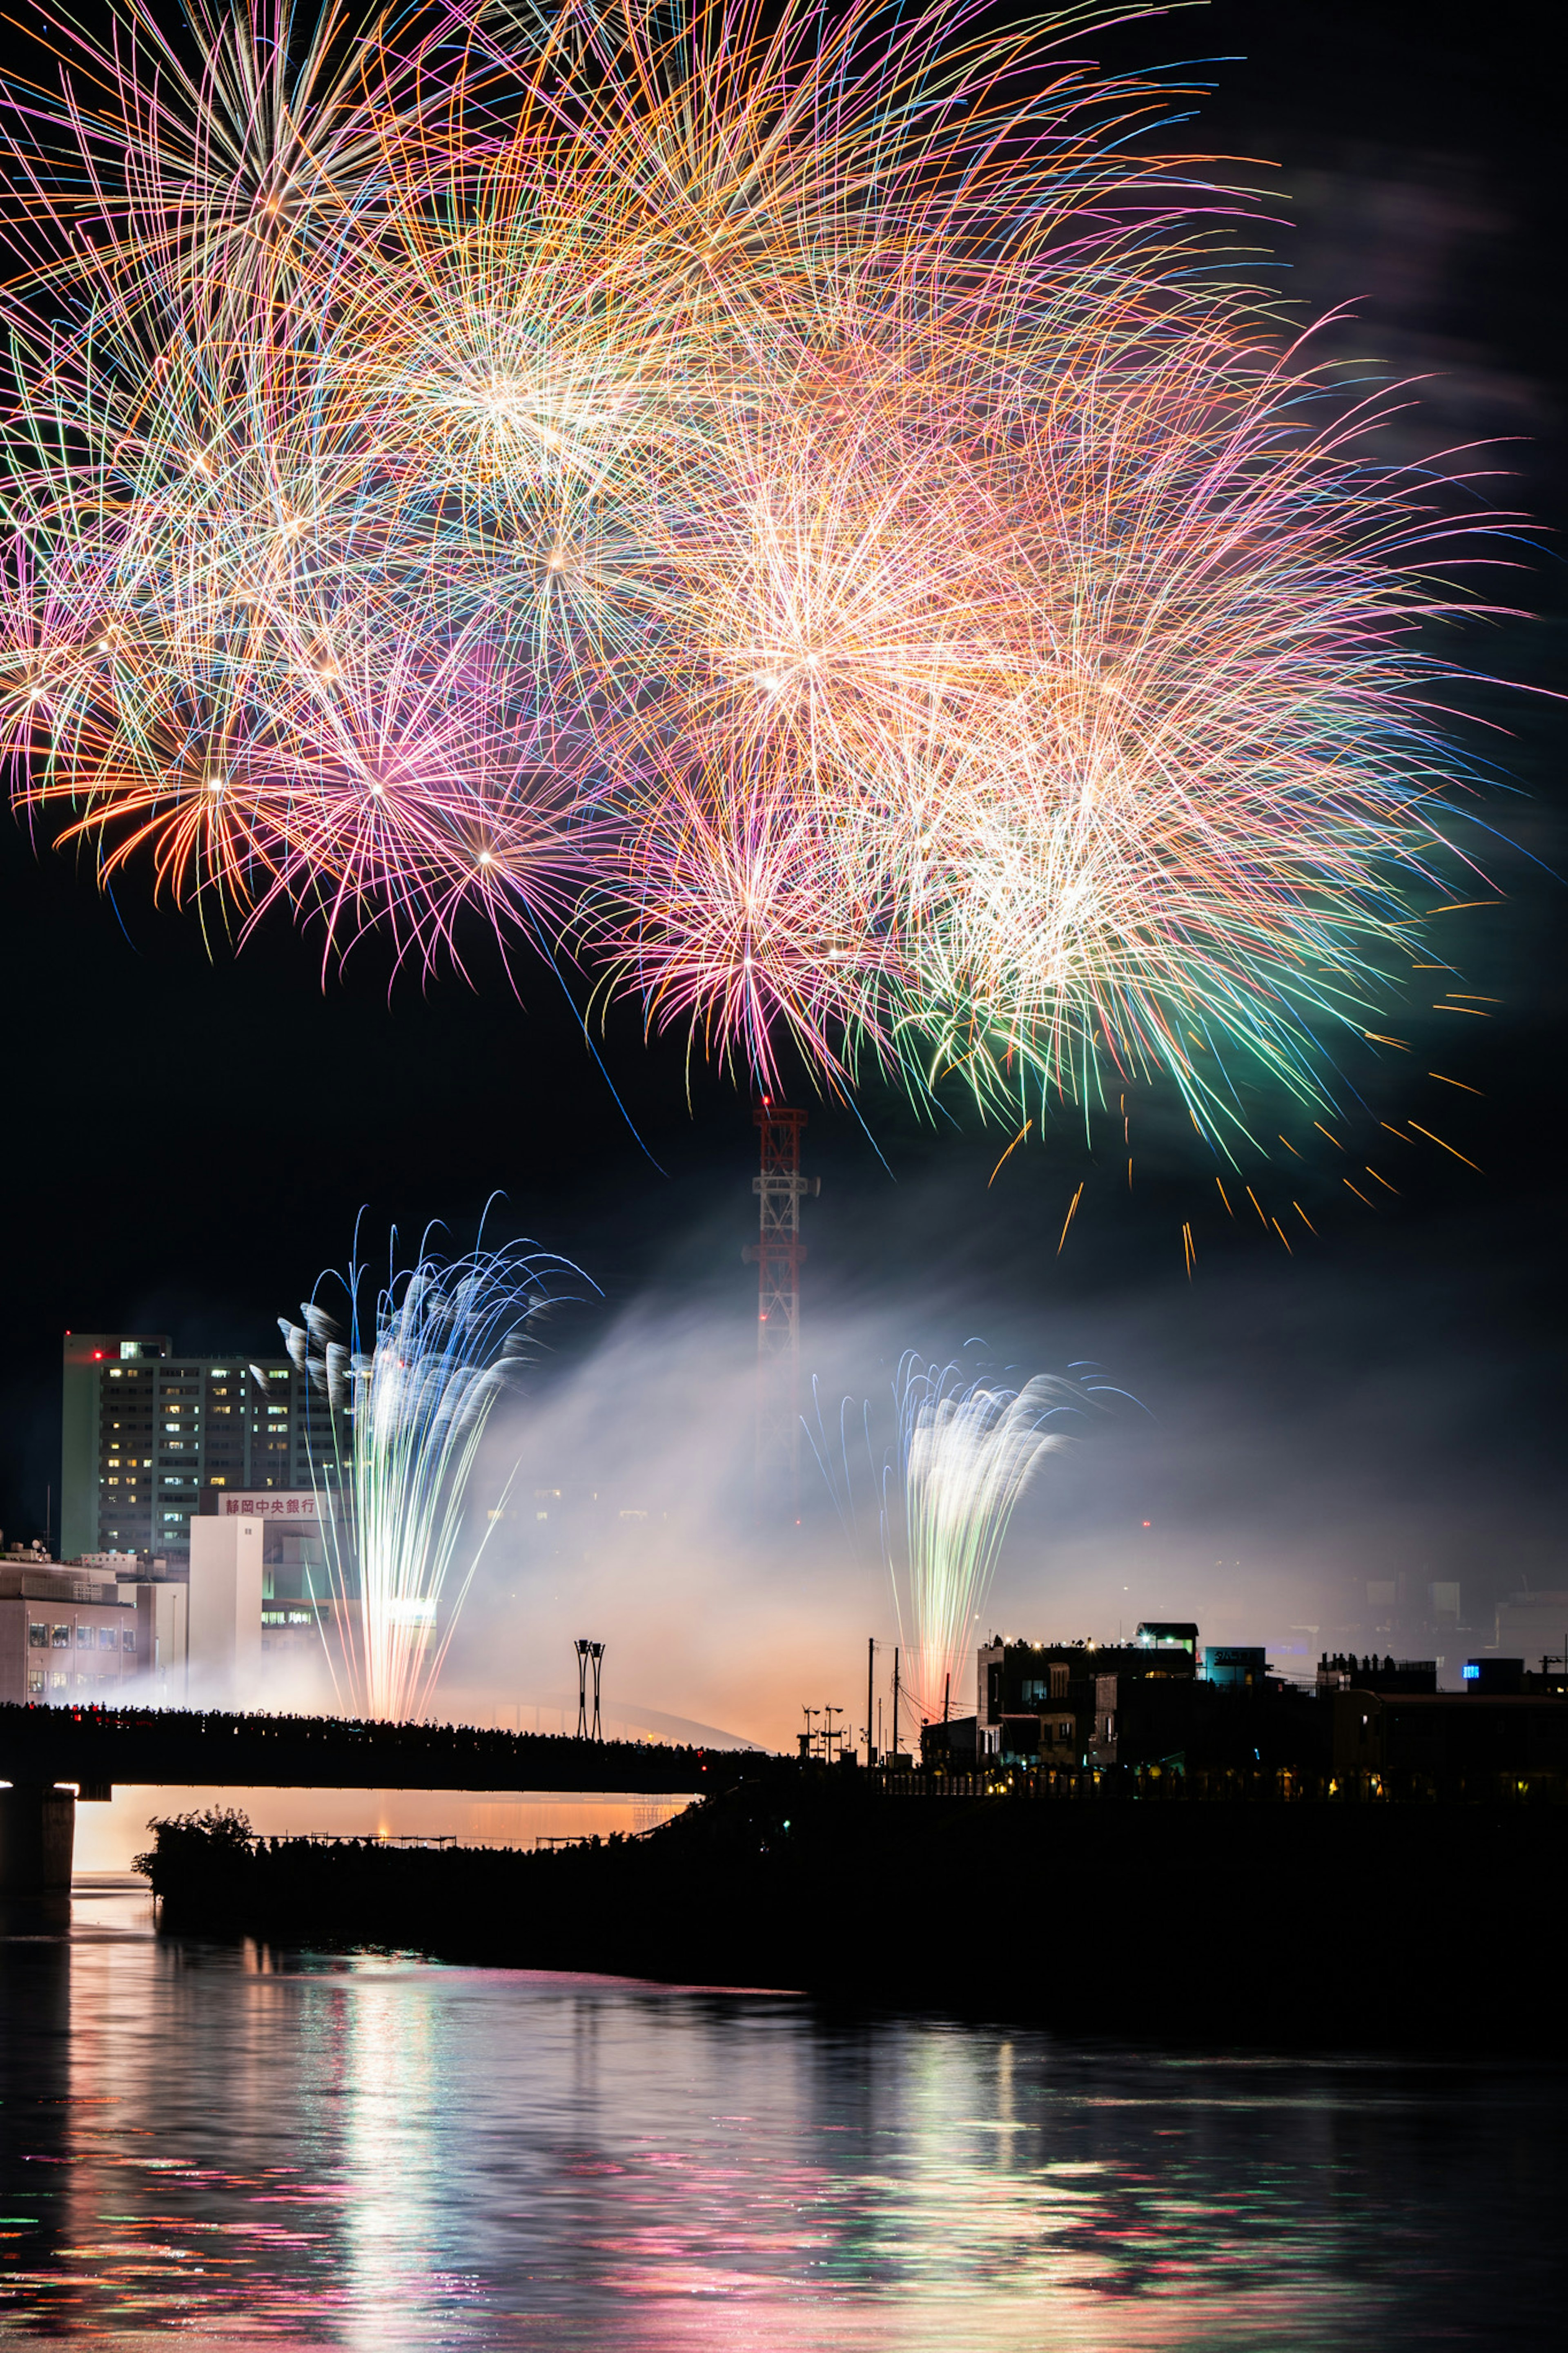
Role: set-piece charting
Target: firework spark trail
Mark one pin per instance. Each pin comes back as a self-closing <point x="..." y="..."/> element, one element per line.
<point x="964" y="1453"/>
<point x="967" y="1453"/>
<point x="417" y="1379"/>
<point x="778" y="508"/>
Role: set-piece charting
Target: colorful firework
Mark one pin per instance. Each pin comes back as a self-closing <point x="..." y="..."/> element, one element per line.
<point x="416" y="1381"/>
<point x="775" y="505"/>
<point x="964" y="1452"/>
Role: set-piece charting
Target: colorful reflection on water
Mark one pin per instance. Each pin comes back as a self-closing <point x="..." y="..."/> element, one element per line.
<point x="281" y="2149"/>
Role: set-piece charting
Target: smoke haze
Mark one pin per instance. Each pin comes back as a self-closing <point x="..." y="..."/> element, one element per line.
<point x="1295" y="1431"/>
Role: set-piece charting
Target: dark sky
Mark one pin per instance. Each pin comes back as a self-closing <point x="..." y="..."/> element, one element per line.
<point x="189" y="1138"/>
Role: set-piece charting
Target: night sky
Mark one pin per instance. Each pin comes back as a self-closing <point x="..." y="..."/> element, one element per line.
<point x="189" y="1137"/>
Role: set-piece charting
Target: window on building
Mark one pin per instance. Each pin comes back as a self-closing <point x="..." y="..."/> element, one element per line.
<point x="59" y="1681"/>
<point x="37" y="1679"/>
<point x="86" y="1638"/>
<point x="62" y="1641"/>
<point x="127" y="1640"/>
<point x="38" y="1635"/>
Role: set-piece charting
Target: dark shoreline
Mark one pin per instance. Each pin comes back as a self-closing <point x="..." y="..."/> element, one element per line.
<point x="1366" y="1924"/>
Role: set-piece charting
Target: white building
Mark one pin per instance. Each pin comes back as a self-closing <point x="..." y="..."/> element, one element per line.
<point x="224" y="1624"/>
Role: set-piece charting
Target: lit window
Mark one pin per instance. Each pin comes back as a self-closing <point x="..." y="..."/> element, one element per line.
<point x="38" y="1637"/>
<point x="62" y="1638"/>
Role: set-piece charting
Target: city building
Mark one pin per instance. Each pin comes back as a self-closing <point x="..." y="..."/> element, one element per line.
<point x="67" y="1636"/>
<point x="1242" y="1720"/>
<point x="225" y="1598"/>
<point x="1344" y="1671"/>
<point x="299" y="1601"/>
<point x="1368" y="1726"/>
<point x="1533" y="1626"/>
<point x="1037" y="1702"/>
<point x="1234" y="1665"/>
<point x="1452" y="1742"/>
<point x="146" y="1435"/>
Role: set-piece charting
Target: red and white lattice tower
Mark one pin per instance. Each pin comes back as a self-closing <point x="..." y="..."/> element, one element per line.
<point x="777" y="1253"/>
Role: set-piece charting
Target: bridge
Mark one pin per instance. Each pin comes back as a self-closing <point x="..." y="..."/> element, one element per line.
<point x="98" y="1748"/>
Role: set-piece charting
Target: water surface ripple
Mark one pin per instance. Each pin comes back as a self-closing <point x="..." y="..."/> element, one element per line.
<point x="242" y="2148"/>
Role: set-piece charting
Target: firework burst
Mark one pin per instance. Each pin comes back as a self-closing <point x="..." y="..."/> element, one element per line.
<point x="773" y="505"/>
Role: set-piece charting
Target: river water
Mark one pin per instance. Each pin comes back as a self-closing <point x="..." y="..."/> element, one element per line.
<point x="239" y="2147"/>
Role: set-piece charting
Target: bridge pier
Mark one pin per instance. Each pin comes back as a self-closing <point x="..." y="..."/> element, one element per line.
<point x="38" y="1835"/>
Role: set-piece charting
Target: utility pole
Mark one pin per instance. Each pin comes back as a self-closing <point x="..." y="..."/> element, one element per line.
<point x="895" y="1702"/>
<point x="870" y="1695"/>
<point x="777" y="1253"/>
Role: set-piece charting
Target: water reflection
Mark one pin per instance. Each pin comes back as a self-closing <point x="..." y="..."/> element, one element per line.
<point x="268" y="2149"/>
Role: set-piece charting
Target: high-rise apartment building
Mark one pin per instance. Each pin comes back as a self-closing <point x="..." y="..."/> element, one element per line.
<point x="147" y="1433"/>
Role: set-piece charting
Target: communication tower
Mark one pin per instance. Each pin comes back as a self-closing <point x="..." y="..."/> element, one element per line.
<point x="777" y="1253"/>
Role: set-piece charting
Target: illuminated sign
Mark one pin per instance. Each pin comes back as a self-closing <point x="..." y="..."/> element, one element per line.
<point x="272" y="1504"/>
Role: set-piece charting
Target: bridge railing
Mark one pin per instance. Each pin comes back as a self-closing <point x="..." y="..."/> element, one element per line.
<point x="196" y="1747"/>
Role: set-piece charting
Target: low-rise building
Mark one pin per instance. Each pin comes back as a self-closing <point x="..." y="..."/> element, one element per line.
<point x="1037" y="1703"/>
<point x="1343" y="1670"/>
<point x="1453" y="1742"/>
<point x="65" y="1636"/>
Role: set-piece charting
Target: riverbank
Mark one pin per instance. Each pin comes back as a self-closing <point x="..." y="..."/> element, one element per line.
<point x="1296" y="1922"/>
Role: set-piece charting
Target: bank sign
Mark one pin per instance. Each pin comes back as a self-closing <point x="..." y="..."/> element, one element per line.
<point x="272" y="1504"/>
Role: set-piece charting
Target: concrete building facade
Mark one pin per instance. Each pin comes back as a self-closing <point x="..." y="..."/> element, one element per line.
<point x="66" y="1638"/>
<point x="226" y="1613"/>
